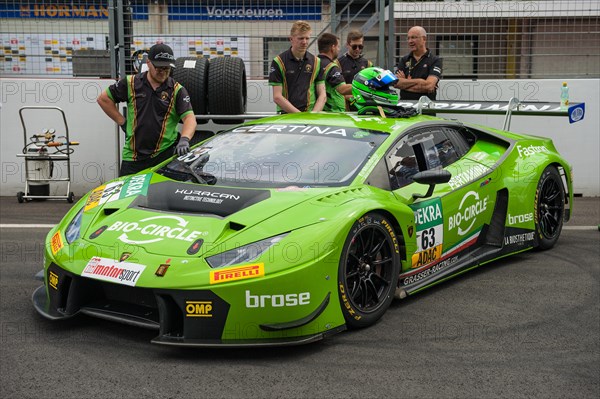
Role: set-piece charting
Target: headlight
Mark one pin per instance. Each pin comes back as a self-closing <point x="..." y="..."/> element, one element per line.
<point x="244" y="254"/>
<point x="73" y="228"/>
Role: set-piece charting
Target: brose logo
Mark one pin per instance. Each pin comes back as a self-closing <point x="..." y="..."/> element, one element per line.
<point x="518" y="219"/>
<point x="198" y="308"/>
<point x="277" y="301"/>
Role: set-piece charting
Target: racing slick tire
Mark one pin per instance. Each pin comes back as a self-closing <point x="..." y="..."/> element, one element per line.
<point x="192" y="73"/>
<point x="549" y="208"/>
<point x="368" y="270"/>
<point x="227" y="88"/>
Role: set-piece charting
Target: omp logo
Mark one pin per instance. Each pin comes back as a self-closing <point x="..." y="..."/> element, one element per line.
<point x="237" y="273"/>
<point x="155" y="230"/>
<point x="56" y="243"/>
<point x="467" y="212"/>
<point x="527" y="217"/>
<point x="531" y="150"/>
<point x="277" y="301"/>
<point x="198" y="308"/>
<point x="53" y="280"/>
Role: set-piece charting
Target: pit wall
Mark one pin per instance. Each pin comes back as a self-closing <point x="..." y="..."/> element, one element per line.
<point x="94" y="161"/>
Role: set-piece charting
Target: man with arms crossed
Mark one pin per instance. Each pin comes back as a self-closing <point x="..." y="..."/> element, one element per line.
<point x="419" y="71"/>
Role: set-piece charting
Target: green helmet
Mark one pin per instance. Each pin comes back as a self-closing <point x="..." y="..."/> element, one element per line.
<point x="371" y="87"/>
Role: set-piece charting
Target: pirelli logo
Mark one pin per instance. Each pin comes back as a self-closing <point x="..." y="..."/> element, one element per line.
<point x="237" y="273"/>
<point x="56" y="243"/>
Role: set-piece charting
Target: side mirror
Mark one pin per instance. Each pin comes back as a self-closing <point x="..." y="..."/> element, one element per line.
<point x="431" y="177"/>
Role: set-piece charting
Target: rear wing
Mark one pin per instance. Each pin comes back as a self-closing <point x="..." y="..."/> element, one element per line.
<point x="425" y="106"/>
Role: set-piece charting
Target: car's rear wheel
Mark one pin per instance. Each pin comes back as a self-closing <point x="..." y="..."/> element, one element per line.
<point x="368" y="270"/>
<point x="549" y="208"/>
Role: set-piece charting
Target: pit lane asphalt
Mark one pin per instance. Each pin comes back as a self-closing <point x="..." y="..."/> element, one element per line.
<point x="524" y="326"/>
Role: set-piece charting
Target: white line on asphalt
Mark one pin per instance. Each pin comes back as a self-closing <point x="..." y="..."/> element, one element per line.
<point x="26" y="226"/>
<point x="580" y="227"/>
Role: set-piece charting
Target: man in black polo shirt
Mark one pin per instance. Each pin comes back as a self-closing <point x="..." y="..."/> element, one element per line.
<point x="419" y="71"/>
<point x="353" y="61"/>
<point x="296" y="75"/>
<point x="155" y="105"/>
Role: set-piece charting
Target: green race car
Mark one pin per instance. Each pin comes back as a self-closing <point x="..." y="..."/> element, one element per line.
<point x="288" y="229"/>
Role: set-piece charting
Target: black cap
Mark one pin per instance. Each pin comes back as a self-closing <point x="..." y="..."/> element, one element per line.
<point x="161" y="55"/>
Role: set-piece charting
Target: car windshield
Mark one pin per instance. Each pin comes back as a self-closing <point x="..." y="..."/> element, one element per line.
<point x="269" y="155"/>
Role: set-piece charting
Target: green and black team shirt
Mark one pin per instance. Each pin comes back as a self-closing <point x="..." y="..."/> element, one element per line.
<point x="299" y="78"/>
<point x="427" y="65"/>
<point x="152" y="115"/>
<point x="333" y="78"/>
<point x="351" y="66"/>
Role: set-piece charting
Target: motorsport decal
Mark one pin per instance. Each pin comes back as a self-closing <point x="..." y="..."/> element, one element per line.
<point x="471" y="206"/>
<point x="198" y="308"/>
<point x="155" y="229"/>
<point x="56" y="243"/>
<point x="113" y="271"/>
<point x="447" y="259"/>
<point x="430" y="232"/>
<point x="467" y="176"/>
<point x="114" y="191"/>
<point x="237" y="273"/>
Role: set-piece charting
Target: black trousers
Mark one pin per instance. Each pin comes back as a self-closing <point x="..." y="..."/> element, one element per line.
<point x="133" y="167"/>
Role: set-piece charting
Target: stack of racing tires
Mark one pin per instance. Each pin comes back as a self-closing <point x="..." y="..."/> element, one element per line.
<point x="216" y="87"/>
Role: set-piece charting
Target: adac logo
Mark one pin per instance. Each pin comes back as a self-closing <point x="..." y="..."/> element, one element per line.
<point x="124" y="256"/>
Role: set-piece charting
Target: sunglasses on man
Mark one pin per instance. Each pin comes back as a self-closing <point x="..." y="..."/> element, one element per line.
<point x="357" y="46"/>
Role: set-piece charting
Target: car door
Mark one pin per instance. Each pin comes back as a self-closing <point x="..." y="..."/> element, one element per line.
<point x="449" y="219"/>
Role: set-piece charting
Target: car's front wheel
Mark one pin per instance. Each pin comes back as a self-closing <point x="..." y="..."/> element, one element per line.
<point x="549" y="208"/>
<point x="368" y="270"/>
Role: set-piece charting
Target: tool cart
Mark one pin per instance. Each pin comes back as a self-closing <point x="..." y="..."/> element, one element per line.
<point x="41" y="151"/>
